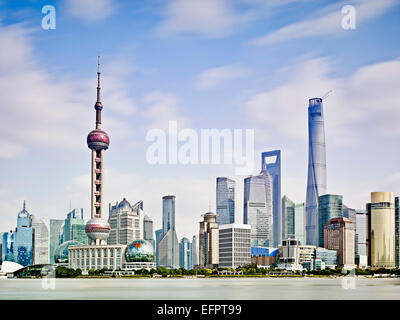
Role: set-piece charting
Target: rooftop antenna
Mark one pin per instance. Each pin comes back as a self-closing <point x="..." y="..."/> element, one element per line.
<point x="24" y="206"/>
<point x="326" y="95"/>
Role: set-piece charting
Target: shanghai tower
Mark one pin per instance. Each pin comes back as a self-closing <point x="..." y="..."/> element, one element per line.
<point x="316" y="180"/>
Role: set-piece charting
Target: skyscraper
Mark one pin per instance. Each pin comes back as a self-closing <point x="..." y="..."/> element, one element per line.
<point x="158" y="233"/>
<point x="339" y="236"/>
<point x="126" y="222"/>
<point x="148" y="229"/>
<point x="361" y="239"/>
<point x="97" y="228"/>
<point x="381" y="230"/>
<point x="168" y="247"/>
<point x="316" y="180"/>
<point x="271" y="162"/>
<point x="209" y="241"/>
<point x="329" y="206"/>
<point x="288" y="218"/>
<point x="195" y="253"/>
<point x="225" y="200"/>
<point x="8" y="246"/>
<point x="23" y="239"/>
<point x="41" y="254"/>
<point x="258" y="209"/>
<point x="299" y="223"/>
<point x="56" y="232"/>
<point x="74" y="227"/>
<point x="185" y="254"/>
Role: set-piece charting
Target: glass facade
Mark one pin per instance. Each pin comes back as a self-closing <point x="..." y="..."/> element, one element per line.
<point x="195" y="254"/>
<point x="361" y="238"/>
<point x="329" y="206"/>
<point x="74" y="227"/>
<point x="8" y="247"/>
<point x="168" y="247"/>
<point x="139" y="251"/>
<point x="328" y="256"/>
<point x="148" y="228"/>
<point x="158" y="234"/>
<point x="56" y="231"/>
<point x="225" y="200"/>
<point x="23" y="239"/>
<point x="288" y="218"/>
<point x="185" y="254"/>
<point x="299" y="223"/>
<point x="271" y="162"/>
<point x="316" y="179"/>
<point x="258" y="209"/>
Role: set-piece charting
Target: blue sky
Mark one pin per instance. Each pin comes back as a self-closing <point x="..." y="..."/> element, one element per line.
<point x="234" y="64"/>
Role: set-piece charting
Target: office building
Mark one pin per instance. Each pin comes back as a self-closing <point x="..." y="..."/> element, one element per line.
<point x="74" y="227"/>
<point x="195" y="252"/>
<point x="300" y="223"/>
<point x="329" y="206"/>
<point x="209" y="241"/>
<point x="316" y="180"/>
<point x="225" y="200"/>
<point x="329" y="257"/>
<point x="339" y="235"/>
<point x="148" y="228"/>
<point x="289" y="255"/>
<point x="288" y="218"/>
<point x="185" y="254"/>
<point x="41" y="245"/>
<point x="258" y="209"/>
<point x="126" y="222"/>
<point x="158" y="234"/>
<point x="234" y="245"/>
<point x="168" y="248"/>
<point x="381" y="230"/>
<point x="306" y="254"/>
<point x="361" y="258"/>
<point x="271" y="162"/>
<point x="23" y="239"/>
<point x="56" y="232"/>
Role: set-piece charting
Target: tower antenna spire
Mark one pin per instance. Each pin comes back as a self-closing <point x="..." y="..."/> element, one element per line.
<point x="24" y="205"/>
<point x="98" y="76"/>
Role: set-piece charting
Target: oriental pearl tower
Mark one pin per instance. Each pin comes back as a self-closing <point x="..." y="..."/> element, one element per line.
<point x="97" y="228"/>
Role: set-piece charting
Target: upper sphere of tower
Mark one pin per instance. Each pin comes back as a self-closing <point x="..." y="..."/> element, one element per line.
<point x="98" y="106"/>
<point x="98" y="139"/>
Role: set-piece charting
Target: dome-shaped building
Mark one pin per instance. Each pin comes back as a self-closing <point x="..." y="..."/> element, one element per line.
<point x="139" y="254"/>
<point x="61" y="253"/>
<point x="139" y="251"/>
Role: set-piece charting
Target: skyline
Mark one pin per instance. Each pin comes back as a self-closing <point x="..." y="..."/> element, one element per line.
<point x="142" y="92"/>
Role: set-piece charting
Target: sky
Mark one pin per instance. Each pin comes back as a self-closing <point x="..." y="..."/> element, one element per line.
<point x="222" y="64"/>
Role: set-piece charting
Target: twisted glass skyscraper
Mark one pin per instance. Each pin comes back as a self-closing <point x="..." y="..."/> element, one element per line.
<point x="316" y="180"/>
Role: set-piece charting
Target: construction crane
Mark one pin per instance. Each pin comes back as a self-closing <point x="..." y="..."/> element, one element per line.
<point x="326" y="94"/>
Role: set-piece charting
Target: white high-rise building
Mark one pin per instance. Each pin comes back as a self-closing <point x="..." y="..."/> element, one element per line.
<point x="126" y="222"/>
<point x="41" y="241"/>
<point x="234" y="245"/>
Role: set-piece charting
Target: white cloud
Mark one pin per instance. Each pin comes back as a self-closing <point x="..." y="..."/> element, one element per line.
<point x="215" y="77"/>
<point x="212" y="18"/>
<point x="160" y="108"/>
<point x="322" y="23"/>
<point x="359" y="101"/>
<point x="40" y="110"/>
<point x="90" y="10"/>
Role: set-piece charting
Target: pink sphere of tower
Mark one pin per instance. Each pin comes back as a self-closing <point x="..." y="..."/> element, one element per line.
<point x="98" y="139"/>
